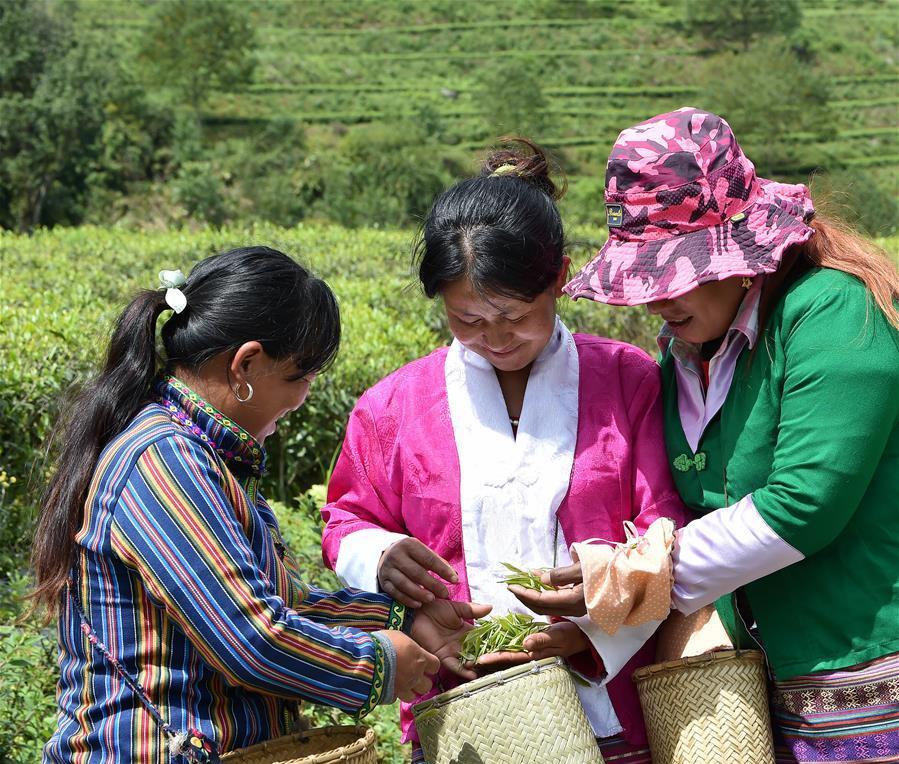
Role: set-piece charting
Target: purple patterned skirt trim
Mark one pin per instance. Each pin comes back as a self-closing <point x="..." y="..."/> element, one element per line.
<point x="850" y="715"/>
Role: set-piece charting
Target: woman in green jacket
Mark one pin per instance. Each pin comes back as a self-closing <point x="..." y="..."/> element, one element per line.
<point x="780" y="363"/>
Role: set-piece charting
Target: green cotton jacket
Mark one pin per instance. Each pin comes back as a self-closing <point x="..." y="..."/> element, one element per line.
<point x="809" y="428"/>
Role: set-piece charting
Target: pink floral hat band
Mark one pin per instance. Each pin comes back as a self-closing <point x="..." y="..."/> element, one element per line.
<point x="684" y="207"/>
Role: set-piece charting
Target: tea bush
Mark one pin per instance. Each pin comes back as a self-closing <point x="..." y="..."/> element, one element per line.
<point x="62" y="288"/>
<point x="28" y="673"/>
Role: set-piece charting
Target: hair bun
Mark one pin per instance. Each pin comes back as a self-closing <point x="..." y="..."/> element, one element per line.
<point x="523" y="159"/>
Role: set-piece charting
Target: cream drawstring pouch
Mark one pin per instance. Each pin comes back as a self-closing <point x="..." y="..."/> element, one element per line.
<point x="628" y="583"/>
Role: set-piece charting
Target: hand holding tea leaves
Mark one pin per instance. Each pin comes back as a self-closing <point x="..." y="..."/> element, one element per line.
<point x="499" y="636"/>
<point x="529" y="579"/>
<point x="498" y="643"/>
<point x="562" y="639"/>
<point x="439" y="627"/>
<point x="562" y="595"/>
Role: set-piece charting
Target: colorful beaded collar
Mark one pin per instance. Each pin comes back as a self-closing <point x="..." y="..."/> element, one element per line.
<point x="227" y="437"/>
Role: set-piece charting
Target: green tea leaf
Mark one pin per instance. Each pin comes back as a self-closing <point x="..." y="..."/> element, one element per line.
<point x="499" y="634"/>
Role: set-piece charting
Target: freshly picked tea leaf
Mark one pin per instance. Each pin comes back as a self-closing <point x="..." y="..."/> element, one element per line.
<point x="500" y="634"/>
<point x="526" y="578"/>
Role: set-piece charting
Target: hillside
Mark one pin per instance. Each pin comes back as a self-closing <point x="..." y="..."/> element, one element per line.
<point x="598" y="65"/>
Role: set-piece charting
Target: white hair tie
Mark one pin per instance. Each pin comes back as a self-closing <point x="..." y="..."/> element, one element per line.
<point x="174" y="297"/>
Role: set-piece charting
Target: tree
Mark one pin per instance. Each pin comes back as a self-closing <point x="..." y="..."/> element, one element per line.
<point x="776" y="104"/>
<point x="272" y="173"/>
<point x="740" y="22"/>
<point x="197" y="46"/>
<point x="54" y="93"/>
<point x="382" y="174"/>
<point x="31" y="40"/>
<point x="511" y="99"/>
<point x="70" y="117"/>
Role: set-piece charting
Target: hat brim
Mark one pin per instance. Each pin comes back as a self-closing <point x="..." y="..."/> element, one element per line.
<point x="638" y="272"/>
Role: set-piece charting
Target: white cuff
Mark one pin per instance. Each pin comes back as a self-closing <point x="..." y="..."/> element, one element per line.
<point x="718" y="553"/>
<point x="359" y="555"/>
<point x="618" y="650"/>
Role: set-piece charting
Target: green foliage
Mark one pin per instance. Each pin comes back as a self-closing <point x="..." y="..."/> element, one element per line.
<point x="511" y="99"/>
<point x="273" y="170"/>
<point x="45" y="134"/>
<point x="499" y="634"/>
<point x="28" y="673"/>
<point x="350" y="79"/>
<point x="526" y="578"/>
<point x="62" y="289"/>
<point x="583" y="200"/>
<point x="199" y="188"/>
<point x="72" y="120"/>
<point x="27" y="691"/>
<point x="31" y="37"/>
<point x="196" y="46"/>
<point x="301" y="527"/>
<point x="775" y="98"/>
<point x="582" y="9"/>
<point x="385" y="174"/>
<point x="856" y="196"/>
<point x="739" y="22"/>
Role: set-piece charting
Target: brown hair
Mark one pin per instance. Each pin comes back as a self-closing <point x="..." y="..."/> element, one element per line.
<point x="501" y="230"/>
<point x="836" y="245"/>
<point x="529" y="162"/>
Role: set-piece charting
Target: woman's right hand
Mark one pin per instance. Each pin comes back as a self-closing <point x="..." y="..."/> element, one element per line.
<point x="414" y="666"/>
<point x="565" y="600"/>
<point x="404" y="572"/>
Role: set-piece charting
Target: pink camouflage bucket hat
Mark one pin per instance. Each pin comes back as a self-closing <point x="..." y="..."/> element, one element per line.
<point x="684" y="207"/>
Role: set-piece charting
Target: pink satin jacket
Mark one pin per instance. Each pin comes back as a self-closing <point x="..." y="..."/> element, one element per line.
<point x="399" y="471"/>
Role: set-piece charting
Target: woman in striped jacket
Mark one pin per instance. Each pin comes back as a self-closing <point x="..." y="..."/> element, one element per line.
<point x="185" y="629"/>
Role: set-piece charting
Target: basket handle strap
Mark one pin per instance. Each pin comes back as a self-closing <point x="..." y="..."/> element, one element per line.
<point x="193" y="744"/>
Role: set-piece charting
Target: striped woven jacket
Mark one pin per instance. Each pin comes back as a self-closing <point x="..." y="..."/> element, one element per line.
<point x="182" y="574"/>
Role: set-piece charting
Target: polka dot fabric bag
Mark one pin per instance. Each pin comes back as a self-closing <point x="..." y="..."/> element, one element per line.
<point x="628" y="583"/>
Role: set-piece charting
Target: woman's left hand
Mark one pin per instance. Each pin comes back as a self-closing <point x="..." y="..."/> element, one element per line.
<point x="439" y="627"/>
<point x="568" y="600"/>
<point x="562" y="639"/>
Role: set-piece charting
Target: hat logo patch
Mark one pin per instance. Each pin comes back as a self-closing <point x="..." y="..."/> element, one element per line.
<point x="614" y="215"/>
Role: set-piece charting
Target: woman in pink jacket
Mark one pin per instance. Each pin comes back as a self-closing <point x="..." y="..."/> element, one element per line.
<point x="510" y="444"/>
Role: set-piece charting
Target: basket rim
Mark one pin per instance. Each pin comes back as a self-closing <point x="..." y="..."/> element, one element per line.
<point x="365" y="739"/>
<point x="485" y="682"/>
<point x="716" y="656"/>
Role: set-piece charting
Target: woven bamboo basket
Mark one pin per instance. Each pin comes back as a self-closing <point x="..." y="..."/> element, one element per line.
<point x="325" y="745"/>
<point x="528" y="713"/>
<point x="707" y="708"/>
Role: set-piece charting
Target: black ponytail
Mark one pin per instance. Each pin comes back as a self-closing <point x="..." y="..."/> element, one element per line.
<point x="252" y="293"/>
<point x="501" y="229"/>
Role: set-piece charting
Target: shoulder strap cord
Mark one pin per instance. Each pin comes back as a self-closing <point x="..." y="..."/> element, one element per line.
<point x="193" y="745"/>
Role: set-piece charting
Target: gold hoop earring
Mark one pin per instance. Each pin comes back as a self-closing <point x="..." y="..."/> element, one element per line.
<point x="249" y="392"/>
